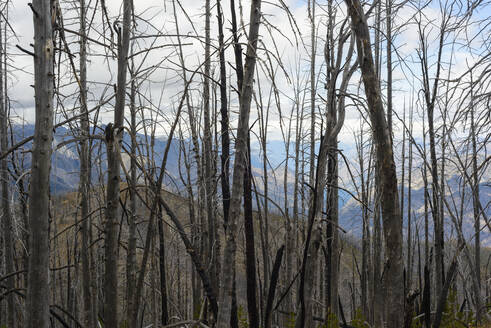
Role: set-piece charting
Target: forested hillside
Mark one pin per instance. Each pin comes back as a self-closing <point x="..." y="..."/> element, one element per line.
<point x="245" y="163"/>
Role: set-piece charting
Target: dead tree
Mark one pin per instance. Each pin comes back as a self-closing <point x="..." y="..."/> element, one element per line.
<point x="337" y="71"/>
<point x="8" y="246"/>
<point x="85" y="167"/>
<point x="224" y="123"/>
<point x="430" y="94"/>
<point x="229" y="256"/>
<point x="391" y="215"/>
<point x="132" y="215"/>
<point x="114" y="135"/>
<point x="39" y="216"/>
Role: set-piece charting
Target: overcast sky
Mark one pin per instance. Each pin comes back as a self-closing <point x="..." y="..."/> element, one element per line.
<point x="284" y="35"/>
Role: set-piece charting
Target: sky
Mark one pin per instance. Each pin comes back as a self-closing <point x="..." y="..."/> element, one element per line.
<point x="285" y="47"/>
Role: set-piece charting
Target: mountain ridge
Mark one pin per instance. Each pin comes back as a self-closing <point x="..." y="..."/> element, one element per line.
<point x="66" y="166"/>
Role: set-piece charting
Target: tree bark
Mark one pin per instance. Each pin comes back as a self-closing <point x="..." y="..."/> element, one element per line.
<point x="252" y="309"/>
<point x="403" y="175"/>
<point x="8" y="246"/>
<point x="312" y="241"/>
<point x="313" y="45"/>
<point x="272" y="287"/>
<point x="477" y="225"/>
<point x="85" y="167"/>
<point x="114" y="136"/>
<point x="229" y="257"/>
<point x="225" y="138"/>
<point x="163" y="278"/>
<point x="38" y="276"/>
<point x="210" y="251"/>
<point x="430" y="94"/>
<point x="132" y="215"/>
<point x="391" y="215"/>
<point x="410" y="256"/>
<point x="365" y="266"/>
<point x="388" y="7"/>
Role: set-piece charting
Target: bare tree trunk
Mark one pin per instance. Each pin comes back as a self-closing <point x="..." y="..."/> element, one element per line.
<point x="229" y="257"/>
<point x="225" y="137"/>
<point x="477" y="225"/>
<point x="403" y="175"/>
<point x="335" y="112"/>
<point x="438" y="229"/>
<point x="409" y="180"/>
<point x="293" y="231"/>
<point x="239" y="69"/>
<point x="313" y="238"/>
<point x="132" y="215"/>
<point x="153" y="285"/>
<point x="272" y="287"/>
<point x="234" y="310"/>
<point x="426" y="213"/>
<point x="6" y="210"/>
<point x="332" y="193"/>
<point x="197" y="240"/>
<point x="426" y="301"/>
<point x="163" y="278"/>
<point x="114" y="135"/>
<point x="250" y="253"/>
<point x="430" y="94"/>
<point x="391" y="214"/>
<point x="39" y="217"/>
<point x="388" y="8"/>
<point x="310" y="277"/>
<point x="332" y="224"/>
<point x="196" y="151"/>
<point x="312" y="241"/>
<point x="264" y="223"/>
<point x="156" y="188"/>
<point x="377" y="310"/>
<point x="207" y="153"/>
<point x="85" y="167"/>
<point x="313" y="45"/>
<point x="366" y="271"/>
<point x="377" y="270"/>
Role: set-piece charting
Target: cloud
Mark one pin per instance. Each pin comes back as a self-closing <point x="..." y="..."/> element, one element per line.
<point x="284" y="50"/>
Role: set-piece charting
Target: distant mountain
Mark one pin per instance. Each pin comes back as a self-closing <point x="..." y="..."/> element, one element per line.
<point x="66" y="166"/>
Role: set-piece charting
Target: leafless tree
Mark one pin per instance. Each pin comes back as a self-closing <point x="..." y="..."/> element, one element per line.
<point x="386" y="170"/>
<point x="7" y="218"/>
<point x="44" y="13"/>
<point x="114" y="135"/>
<point x="317" y="142"/>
